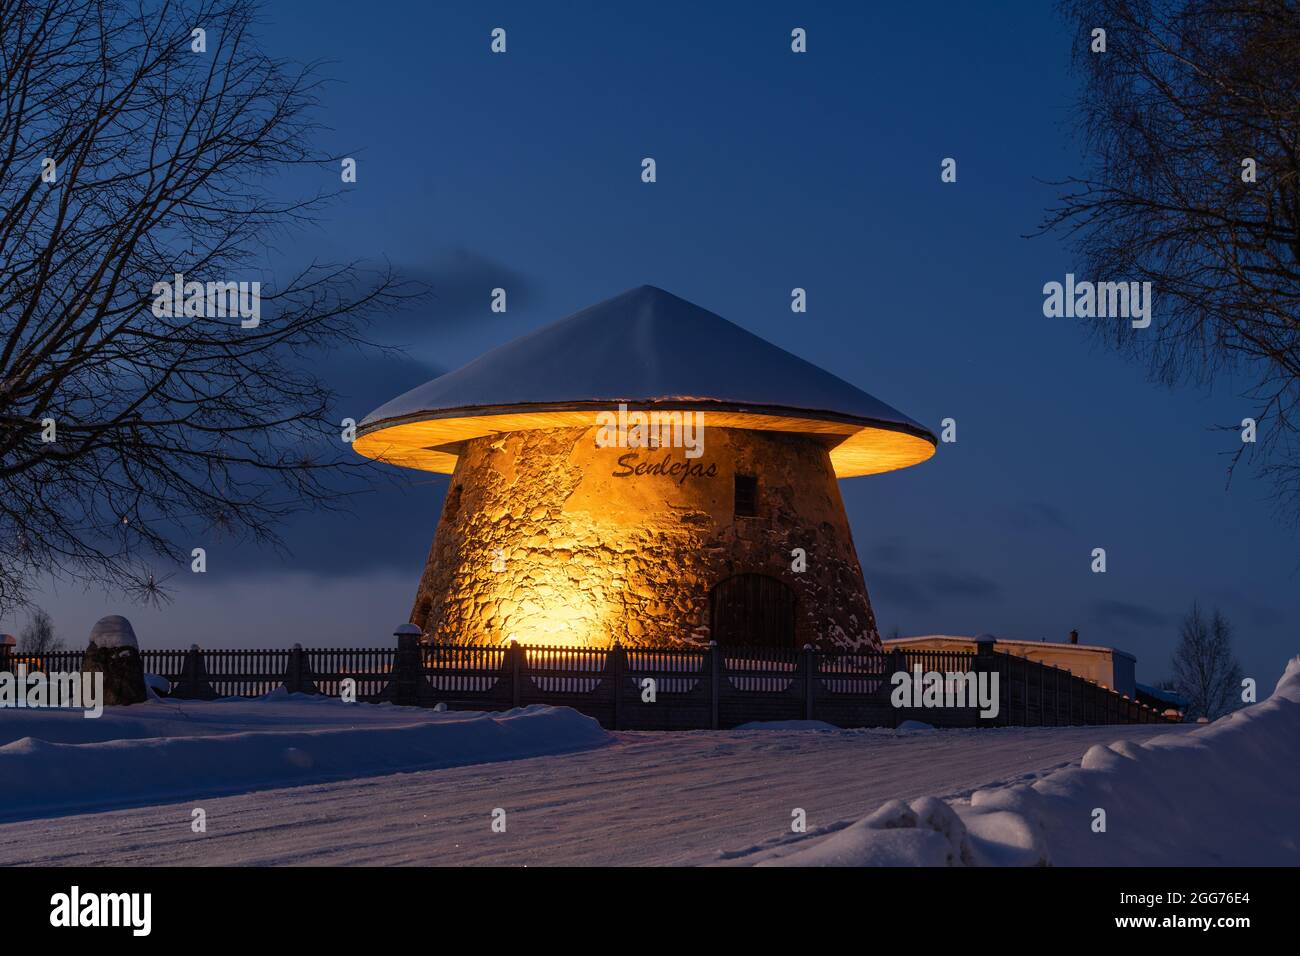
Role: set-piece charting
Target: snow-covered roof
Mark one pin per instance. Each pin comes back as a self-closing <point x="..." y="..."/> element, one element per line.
<point x="646" y="348"/>
<point x="961" y="637"/>
<point x="113" y="631"/>
<point x="1159" y="693"/>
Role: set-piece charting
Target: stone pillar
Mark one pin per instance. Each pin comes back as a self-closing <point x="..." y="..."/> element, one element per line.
<point x="404" y="685"/>
<point x="114" y="652"/>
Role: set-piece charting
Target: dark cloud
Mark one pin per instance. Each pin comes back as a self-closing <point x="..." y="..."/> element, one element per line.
<point x="923" y="588"/>
<point x="1125" y="615"/>
<point x="460" y="284"/>
<point x="1266" y="618"/>
<point x="391" y="523"/>
<point x="1035" y="516"/>
<point x="387" y="517"/>
<point x="961" y="584"/>
<point x="886" y="586"/>
<point x="890" y="551"/>
<point x="362" y="380"/>
<point x="1236" y="603"/>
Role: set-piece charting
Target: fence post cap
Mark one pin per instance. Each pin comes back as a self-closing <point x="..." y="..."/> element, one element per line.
<point x="808" y="647"/>
<point x="194" y="647"/>
<point x="406" y="629"/>
<point x="297" y="647"/>
<point x="713" y="643"/>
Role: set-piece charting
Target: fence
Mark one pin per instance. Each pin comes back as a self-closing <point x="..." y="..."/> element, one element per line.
<point x="689" y="688"/>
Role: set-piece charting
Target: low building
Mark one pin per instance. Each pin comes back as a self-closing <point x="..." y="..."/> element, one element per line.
<point x="1107" y="666"/>
<point x="1168" y="702"/>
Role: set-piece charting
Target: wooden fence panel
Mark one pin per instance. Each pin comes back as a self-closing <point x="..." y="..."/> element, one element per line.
<point x="641" y="688"/>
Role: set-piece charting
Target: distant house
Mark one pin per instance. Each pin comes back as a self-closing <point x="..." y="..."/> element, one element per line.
<point x="1168" y="702"/>
<point x="1107" y="666"/>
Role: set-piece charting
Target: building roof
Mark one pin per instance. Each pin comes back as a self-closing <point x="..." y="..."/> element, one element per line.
<point x="1063" y="645"/>
<point x="651" y="350"/>
<point x="1167" y="696"/>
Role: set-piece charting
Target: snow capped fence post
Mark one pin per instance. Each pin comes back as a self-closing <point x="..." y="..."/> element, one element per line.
<point x="194" y="684"/>
<point x="808" y="664"/>
<point x="298" y="678"/>
<point x="617" y="668"/>
<point x="986" y="661"/>
<point x="895" y="663"/>
<point x="715" y="675"/>
<point x="516" y="676"/>
<point x="404" y="686"/>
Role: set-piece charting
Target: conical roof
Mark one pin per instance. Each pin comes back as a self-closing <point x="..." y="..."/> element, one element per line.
<point x="651" y="350"/>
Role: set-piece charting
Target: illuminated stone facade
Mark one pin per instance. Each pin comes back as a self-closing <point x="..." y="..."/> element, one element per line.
<point x="547" y="538"/>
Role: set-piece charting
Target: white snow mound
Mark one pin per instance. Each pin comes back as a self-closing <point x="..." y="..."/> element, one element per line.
<point x="1223" y="794"/>
<point x="54" y="762"/>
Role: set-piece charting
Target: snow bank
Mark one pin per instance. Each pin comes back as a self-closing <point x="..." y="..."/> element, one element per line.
<point x="157" y="751"/>
<point x="1224" y="794"/>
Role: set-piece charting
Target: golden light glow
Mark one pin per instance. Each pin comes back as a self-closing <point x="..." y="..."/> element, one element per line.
<point x="546" y="608"/>
<point x="430" y="444"/>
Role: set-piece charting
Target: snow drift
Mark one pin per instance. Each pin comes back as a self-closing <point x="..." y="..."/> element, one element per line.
<point x="1225" y="794"/>
<point x="159" y="751"/>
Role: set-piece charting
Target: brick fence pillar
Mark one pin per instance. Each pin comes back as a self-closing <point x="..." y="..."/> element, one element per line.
<point x="408" y="667"/>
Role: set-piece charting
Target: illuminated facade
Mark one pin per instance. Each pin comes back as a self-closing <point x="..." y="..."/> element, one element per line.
<point x="572" y="520"/>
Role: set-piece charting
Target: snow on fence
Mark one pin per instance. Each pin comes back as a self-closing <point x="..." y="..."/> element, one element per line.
<point x="687" y="688"/>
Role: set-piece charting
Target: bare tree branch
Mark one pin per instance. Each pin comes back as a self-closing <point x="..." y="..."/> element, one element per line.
<point x="165" y="162"/>
<point x="1186" y="92"/>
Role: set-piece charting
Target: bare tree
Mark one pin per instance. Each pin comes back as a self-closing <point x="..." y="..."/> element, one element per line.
<point x="1191" y="118"/>
<point x="139" y="143"/>
<point x="38" y="636"/>
<point x="1205" y="670"/>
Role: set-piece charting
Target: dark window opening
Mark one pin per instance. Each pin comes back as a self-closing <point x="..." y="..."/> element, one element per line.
<point x="453" y="503"/>
<point x="746" y="496"/>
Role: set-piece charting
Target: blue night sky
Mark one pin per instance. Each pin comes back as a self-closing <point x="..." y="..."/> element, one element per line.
<point x="775" y="170"/>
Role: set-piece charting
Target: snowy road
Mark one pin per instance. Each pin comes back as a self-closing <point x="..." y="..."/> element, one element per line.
<point x="647" y="799"/>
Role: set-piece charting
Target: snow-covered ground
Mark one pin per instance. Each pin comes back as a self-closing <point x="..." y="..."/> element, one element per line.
<point x="270" y="775"/>
<point x="1225" y="794"/>
<point x="59" y="761"/>
<point x="671" y="798"/>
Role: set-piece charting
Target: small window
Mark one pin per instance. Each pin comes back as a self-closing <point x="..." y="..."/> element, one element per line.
<point x="453" y="503"/>
<point x="746" y="496"/>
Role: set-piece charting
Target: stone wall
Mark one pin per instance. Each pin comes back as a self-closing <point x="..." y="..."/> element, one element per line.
<point x="548" y="539"/>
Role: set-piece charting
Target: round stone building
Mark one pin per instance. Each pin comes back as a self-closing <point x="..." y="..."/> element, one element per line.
<point x="643" y="471"/>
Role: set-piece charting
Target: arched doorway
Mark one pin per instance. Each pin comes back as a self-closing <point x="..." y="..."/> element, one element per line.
<point x="752" y="610"/>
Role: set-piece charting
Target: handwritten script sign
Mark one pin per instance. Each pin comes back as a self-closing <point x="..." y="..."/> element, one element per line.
<point x="681" y="470"/>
